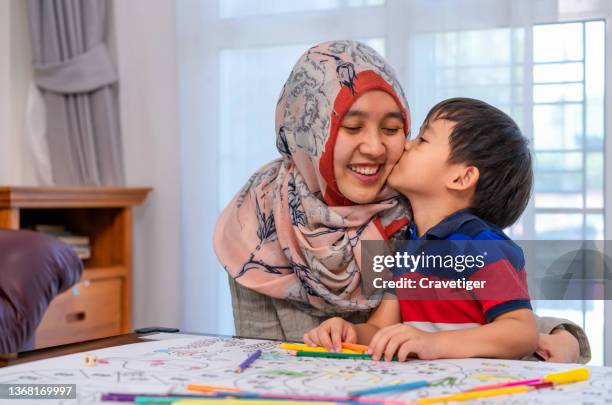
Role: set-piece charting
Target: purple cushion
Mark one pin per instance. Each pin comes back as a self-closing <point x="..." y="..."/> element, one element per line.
<point x="34" y="268"/>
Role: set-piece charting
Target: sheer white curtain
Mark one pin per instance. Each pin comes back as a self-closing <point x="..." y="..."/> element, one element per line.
<point x="519" y="55"/>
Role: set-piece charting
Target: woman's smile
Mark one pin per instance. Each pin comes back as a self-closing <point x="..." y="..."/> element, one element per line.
<point x="366" y="172"/>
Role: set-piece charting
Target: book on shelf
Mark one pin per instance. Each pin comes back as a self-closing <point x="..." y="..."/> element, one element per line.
<point x="80" y="243"/>
<point x="84" y="252"/>
<point x="74" y="239"/>
<point x="45" y="228"/>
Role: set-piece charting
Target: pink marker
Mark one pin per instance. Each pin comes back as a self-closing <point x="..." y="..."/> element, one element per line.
<point x="506" y="384"/>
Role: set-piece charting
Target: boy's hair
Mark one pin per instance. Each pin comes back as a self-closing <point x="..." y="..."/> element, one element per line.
<point x="486" y="137"/>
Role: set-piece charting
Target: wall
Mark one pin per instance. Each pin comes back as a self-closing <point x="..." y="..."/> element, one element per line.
<point x="145" y="43"/>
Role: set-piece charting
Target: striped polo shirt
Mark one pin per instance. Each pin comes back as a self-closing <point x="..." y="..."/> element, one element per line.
<point x="501" y="267"/>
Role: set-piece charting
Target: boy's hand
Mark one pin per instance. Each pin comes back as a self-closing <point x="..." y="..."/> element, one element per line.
<point x="331" y="333"/>
<point x="559" y="347"/>
<point x="405" y="341"/>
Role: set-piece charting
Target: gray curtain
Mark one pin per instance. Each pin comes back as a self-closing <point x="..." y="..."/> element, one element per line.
<point x="78" y="81"/>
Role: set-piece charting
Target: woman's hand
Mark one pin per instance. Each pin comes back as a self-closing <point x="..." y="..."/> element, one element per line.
<point x="331" y="333"/>
<point x="560" y="347"/>
<point x="404" y="341"/>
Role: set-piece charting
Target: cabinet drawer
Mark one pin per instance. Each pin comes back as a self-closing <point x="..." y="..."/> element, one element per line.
<point x="89" y="310"/>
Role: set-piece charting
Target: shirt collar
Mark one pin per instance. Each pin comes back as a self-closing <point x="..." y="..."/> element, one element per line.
<point x="444" y="228"/>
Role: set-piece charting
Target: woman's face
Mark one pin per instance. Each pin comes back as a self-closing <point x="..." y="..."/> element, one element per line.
<point x="370" y="142"/>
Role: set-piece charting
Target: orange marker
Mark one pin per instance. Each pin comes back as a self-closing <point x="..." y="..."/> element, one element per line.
<point x="210" y="388"/>
<point x="355" y="347"/>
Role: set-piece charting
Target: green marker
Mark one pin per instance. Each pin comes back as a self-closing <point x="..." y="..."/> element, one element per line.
<point x="158" y="400"/>
<point x="332" y="355"/>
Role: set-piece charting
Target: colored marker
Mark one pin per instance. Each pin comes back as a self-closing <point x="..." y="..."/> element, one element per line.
<point x="355" y="347"/>
<point x="466" y="396"/>
<point x="174" y="399"/>
<point x="243" y="402"/>
<point x="157" y="400"/>
<point x="125" y="397"/>
<point x="505" y="384"/>
<point x="306" y="348"/>
<point x="568" y="376"/>
<point x="248" y="361"/>
<point x="118" y="397"/>
<point x="390" y="388"/>
<point x="210" y="388"/>
<point x="331" y="355"/>
<point x="561" y="377"/>
<point x="324" y="398"/>
<point x="541" y="385"/>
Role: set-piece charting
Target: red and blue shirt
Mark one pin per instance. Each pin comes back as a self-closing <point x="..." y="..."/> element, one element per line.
<point x="502" y="268"/>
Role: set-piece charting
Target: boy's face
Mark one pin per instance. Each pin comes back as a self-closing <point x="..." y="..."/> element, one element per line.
<point x="423" y="168"/>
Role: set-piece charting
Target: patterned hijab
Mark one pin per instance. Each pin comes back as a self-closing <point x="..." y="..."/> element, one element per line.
<point x="289" y="233"/>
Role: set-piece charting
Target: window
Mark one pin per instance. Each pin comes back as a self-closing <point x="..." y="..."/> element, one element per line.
<point x="250" y="77"/>
<point x="568" y="127"/>
<point x="568" y="141"/>
<point x="245" y="8"/>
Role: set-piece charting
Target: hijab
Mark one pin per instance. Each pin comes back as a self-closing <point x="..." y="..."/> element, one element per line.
<point x="289" y="233"/>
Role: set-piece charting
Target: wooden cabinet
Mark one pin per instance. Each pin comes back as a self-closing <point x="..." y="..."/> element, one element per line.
<point x="90" y="310"/>
<point x="101" y="303"/>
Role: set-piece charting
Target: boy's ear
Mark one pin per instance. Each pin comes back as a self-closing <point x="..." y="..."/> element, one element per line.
<point x="464" y="178"/>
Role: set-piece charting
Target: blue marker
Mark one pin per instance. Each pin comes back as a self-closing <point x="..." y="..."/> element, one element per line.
<point x="389" y="388"/>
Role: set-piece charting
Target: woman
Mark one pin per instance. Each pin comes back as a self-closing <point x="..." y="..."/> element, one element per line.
<point x="290" y="240"/>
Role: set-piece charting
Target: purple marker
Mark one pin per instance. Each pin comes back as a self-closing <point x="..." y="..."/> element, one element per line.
<point x="128" y="397"/>
<point x="115" y="396"/>
<point x="249" y="360"/>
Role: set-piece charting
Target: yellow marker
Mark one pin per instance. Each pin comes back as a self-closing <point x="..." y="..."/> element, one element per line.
<point x="305" y="348"/>
<point x="561" y="377"/>
<point x="569" y="376"/>
<point x="210" y="388"/>
<point x="466" y="396"/>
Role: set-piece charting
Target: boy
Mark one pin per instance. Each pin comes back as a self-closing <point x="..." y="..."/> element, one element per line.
<point x="467" y="175"/>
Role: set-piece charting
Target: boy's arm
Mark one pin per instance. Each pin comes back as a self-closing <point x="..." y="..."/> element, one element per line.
<point x="511" y="335"/>
<point x="385" y="314"/>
